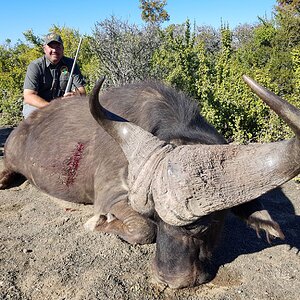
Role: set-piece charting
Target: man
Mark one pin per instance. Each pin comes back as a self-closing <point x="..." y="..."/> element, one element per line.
<point x="46" y="77"/>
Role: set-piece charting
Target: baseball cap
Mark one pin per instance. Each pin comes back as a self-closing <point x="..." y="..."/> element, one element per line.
<point x="52" y="37"/>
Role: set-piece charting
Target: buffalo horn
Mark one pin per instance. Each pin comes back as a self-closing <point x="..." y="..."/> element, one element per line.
<point x="143" y="151"/>
<point x="191" y="181"/>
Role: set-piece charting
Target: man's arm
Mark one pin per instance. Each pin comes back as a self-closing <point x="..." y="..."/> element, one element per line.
<point x="31" y="86"/>
<point x="31" y="97"/>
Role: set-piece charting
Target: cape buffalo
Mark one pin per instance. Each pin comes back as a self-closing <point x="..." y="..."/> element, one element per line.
<point x="154" y="169"/>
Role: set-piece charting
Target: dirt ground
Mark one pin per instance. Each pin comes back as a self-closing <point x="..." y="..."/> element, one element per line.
<point x="45" y="253"/>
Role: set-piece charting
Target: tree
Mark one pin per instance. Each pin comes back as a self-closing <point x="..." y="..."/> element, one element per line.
<point x="204" y="62"/>
<point x="288" y="18"/>
<point x="176" y="60"/>
<point x="241" y="35"/>
<point x="124" y="51"/>
<point x="12" y="67"/>
<point x="33" y="39"/>
<point x="153" y="11"/>
<point x="219" y="107"/>
<point x="285" y="5"/>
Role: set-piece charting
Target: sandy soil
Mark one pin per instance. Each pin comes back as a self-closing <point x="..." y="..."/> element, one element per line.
<point x="45" y="253"/>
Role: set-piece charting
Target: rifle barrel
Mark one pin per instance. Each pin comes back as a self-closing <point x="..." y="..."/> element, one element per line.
<point x="69" y="84"/>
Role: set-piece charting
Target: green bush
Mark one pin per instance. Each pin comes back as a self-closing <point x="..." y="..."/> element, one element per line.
<point x="210" y="72"/>
<point x="11" y="110"/>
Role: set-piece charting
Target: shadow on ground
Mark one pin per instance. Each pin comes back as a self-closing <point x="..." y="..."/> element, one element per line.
<point x="238" y="239"/>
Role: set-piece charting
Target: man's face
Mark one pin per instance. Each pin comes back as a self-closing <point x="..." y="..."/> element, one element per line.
<point x="54" y="51"/>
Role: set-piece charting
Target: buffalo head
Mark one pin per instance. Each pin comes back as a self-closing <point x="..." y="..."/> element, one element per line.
<point x="189" y="187"/>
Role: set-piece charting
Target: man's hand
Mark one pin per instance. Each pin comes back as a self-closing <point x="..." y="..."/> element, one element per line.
<point x="69" y="94"/>
<point x="79" y="92"/>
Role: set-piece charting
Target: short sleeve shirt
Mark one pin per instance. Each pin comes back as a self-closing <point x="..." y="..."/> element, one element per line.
<point x="50" y="81"/>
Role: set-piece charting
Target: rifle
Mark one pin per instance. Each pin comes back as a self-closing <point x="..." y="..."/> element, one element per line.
<point x="69" y="84"/>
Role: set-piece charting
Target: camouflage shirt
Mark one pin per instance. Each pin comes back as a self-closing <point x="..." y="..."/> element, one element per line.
<point x="49" y="80"/>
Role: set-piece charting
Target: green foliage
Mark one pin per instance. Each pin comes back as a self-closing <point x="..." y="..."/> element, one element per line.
<point x="153" y="11"/>
<point x="288" y="5"/>
<point x="11" y="107"/>
<point x="295" y="55"/>
<point x="215" y="77"/>
<point x="176" y="60"/>
<point x="207" y="64"/>
<point x="13" y="64"/>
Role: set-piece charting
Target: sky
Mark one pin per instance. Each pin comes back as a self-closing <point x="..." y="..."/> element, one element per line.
<point x="39" y="16"/>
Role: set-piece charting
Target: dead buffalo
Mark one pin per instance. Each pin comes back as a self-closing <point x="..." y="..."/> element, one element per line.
<point x="154" y="169"/>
